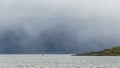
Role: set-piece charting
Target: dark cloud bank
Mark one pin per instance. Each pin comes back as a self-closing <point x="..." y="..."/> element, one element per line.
<point x="58" y="26"/>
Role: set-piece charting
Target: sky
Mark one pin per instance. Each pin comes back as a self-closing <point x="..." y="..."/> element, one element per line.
<point x="60" y="26"/>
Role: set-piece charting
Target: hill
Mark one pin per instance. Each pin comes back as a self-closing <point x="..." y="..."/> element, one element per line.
<point x="115" y="51"/>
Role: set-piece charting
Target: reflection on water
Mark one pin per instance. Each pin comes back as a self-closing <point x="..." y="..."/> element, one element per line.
<point x="58" y="61"/>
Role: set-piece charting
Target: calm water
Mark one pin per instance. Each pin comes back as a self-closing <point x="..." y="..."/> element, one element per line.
<point x="58" y="61"/>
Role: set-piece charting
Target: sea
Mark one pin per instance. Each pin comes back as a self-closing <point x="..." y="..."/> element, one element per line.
<point x="58" y="61"/>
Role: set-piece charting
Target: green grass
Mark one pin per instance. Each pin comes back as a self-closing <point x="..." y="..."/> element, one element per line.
<point x="115" y="51"/>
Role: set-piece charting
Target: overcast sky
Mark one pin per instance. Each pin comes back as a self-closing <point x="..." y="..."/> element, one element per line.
<point x="84" y="20"/>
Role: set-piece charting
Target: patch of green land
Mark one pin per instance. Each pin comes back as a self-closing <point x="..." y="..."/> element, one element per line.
<point x="115" y="51"/>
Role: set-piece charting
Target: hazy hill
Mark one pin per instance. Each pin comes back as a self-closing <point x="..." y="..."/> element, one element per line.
<point x="115" y="51"/>
<point x="51" y="41"/>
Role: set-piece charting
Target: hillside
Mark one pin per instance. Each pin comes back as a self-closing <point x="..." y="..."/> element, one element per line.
<point x="115" y="51"/>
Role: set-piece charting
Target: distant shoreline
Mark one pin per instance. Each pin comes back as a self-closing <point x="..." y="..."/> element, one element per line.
<point x="115" y="51"/>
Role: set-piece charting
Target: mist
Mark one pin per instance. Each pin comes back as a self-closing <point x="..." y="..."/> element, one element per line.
<point x="58" y="26"/>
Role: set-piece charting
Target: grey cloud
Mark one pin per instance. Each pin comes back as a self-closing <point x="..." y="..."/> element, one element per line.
<point x="66" y="26"/>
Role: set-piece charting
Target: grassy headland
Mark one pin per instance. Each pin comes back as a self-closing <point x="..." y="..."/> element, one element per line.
<point x="115" y="51"/>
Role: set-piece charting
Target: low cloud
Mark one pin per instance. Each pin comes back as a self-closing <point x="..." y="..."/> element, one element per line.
<point x="59" y="26"/>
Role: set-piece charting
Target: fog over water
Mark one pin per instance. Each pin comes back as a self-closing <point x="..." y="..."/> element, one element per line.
<point x="58" y="26"/>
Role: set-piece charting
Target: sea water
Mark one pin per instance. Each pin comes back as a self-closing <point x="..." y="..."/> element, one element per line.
<point x="58" y="61"/>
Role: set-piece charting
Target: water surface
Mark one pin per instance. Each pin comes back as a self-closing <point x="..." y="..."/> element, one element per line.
<point x="58" y="61"/>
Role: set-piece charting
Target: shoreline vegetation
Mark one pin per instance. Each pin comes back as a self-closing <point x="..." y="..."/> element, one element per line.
<point x="115" y="51"/>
